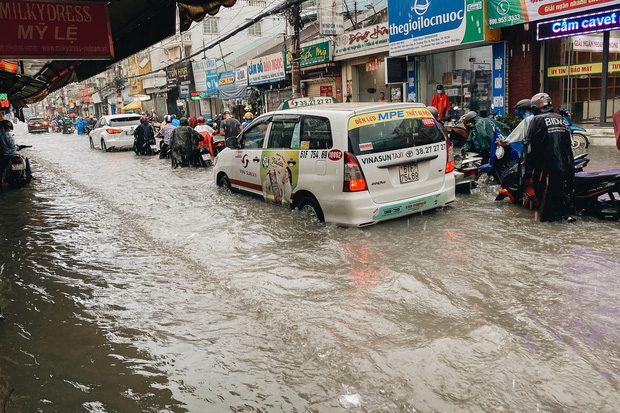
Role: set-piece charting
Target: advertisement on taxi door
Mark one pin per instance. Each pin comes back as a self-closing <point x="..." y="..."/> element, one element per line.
<point x="278" y="174"/>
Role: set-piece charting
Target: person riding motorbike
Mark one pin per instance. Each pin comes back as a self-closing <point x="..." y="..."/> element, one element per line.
<point x="8" y="147"/>
<point x="165" y="132"/>
<point x="143" y="137"/>
<point x="551" y="161"/>
<point x="67" y="125"/>
<point x="183" y="142"/>
<point x="249" y="117"/>
<point x="481" y="135"/>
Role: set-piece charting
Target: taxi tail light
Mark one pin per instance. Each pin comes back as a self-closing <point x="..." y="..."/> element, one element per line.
<point x="353" y="176"/>
<point x="449" y="158"/>
<point x="111" y="131"/>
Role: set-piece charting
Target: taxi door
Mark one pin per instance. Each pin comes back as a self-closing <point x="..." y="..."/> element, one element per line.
<point x="247" y="160"/>
<point x="279" y="167"/>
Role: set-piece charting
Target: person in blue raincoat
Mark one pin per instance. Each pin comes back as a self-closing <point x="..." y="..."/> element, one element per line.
<point x="81" y="124"/>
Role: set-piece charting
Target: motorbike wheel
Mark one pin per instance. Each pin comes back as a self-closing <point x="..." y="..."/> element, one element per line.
<point x="482" y="178"/>
<point x="579" y="140"/>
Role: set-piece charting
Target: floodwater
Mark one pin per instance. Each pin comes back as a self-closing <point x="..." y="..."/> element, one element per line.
<point x="130" y="287"/>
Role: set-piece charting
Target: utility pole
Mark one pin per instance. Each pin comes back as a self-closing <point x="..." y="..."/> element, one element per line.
<point x="296" y="53"/>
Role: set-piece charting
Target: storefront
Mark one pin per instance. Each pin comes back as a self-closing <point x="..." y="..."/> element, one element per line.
<point x="448" y="44"/>
<point x="362" y="55"/>
<point x="582" y="64"/>
<point x="319" y="75"/>
<point x="267" y="75"/>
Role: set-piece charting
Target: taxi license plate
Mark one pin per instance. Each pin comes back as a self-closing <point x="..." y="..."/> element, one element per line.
<point x="408" y="173"/>
<point x="18" y="166"/>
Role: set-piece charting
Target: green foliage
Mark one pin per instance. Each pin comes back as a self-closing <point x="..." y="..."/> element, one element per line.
<point x="510" y="120"/>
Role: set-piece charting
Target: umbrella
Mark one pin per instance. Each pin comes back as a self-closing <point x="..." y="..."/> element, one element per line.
<point x="72" y="114"/>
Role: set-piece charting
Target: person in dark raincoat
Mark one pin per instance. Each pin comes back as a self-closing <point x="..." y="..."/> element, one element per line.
<point x="551" y="161"/>
<point x="143" y="137"/>
<point x="481" y="135"/>
<point x="183" y="142"/>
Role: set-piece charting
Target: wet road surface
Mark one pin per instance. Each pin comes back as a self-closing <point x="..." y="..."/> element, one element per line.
<point x="127" y="286"/>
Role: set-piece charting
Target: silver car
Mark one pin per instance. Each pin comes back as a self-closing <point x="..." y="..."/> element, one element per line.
<point x="114" y="132"/>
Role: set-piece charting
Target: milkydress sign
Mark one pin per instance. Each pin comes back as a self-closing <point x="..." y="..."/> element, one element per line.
<point x="60" y="30"/>
<point x="425" y="25"/>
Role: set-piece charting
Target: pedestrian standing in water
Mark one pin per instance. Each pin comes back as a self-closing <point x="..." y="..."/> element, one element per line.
<point x="183" y="142"/>
<point x="230" y="128"/>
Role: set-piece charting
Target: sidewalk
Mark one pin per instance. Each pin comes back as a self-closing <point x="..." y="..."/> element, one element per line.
<point x="600" y="136"/>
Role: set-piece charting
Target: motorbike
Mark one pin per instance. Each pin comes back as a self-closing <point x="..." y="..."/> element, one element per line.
<point x="578" y="139"/>
<point x="202" y="157"/>
<point x="147" y="148"/>
<point x="68" y="128"/>
<point x="17" y="171"/>
<point x="597" y="194"/>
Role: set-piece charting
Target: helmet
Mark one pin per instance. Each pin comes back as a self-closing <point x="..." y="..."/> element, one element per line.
<point x="469" y="116"/>
<point x="540" y="100"/>
<point x="249" y="115"/>
<point x="168" y="118"/>
<point x="433" y="110"/>
<point x="143" y="119"/>
<point x="6" y="124"/>
<point x="524" y="104"/>
<point x="201" y="120"/>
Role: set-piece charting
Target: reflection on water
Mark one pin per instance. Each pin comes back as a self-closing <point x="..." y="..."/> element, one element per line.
<point x="128" y="286"/>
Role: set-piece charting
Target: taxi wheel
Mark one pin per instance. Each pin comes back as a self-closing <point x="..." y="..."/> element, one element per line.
<point x="311" y="207"/>
<point x="103" y="147"/>
<point x="224" y="182"/>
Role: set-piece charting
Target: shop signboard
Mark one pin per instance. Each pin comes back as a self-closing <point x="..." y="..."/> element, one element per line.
<point x="426" y="25"/>
<point x="266" y="69"/>
<point x="212" y="79"/>
<point x="502" y="13"/>
<point x="361" y="41"/>
<point x="61" y="29"/>
<point x="179" y="74"/>
<point x="331" y="21"/>
<point x="233" y="84"/>
<point x="310" y="55"/>
<point x="571" y="26"/>
<point x="199" y="70"/>
<point x="4" y="101"/>
<point x="184" y="91"/>
<point x="498" y="69"/>
<point x="412" y="95"/>
<point x="582" y="69"/>
<point x="594" y="44"/>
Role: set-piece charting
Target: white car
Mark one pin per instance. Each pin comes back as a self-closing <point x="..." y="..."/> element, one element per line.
<point x="114" y="132"/>
<point x="352" y="164"/>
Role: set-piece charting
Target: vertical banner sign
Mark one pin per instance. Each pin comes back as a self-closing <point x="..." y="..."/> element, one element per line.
<point x="412" y="94"/>
<point x="4" y="101"/>
<point x="331" y="22"/>
<point x="509" y="12"/>
<point x="60" y="29"/>
<point x="171" y="77"/>
<point x="499" y="70"/>
<point x="200" y="75"/>
<point x="266" y="69"/>
<point x="212" y="79"/>
<point x="424" y="25"/>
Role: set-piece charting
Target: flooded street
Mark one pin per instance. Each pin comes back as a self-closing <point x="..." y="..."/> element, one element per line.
<point x="127" y="286"/>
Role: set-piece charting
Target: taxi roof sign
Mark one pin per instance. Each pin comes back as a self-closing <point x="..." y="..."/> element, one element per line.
<point x="305" y="102"/>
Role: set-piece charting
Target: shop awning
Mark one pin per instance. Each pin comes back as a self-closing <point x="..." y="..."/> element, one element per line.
<point x="135" y="105"/>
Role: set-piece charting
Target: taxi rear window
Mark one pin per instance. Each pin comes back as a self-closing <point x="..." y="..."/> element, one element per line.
<point x="386" y="131"/>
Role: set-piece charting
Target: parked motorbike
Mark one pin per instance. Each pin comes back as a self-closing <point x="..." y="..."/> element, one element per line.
<point x="578" y="139"/>
<point x="17" y="171"/>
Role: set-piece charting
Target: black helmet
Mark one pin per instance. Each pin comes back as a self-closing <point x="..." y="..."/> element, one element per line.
<point x="540" y="100"/>
<point x="469" y="116"/>
<point x="6" y="124"/>
<point x="433" y="110"/>
<point x="524" y="104"/>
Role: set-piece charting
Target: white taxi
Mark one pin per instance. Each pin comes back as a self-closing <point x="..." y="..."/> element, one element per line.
<point x="352" y="164"/>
